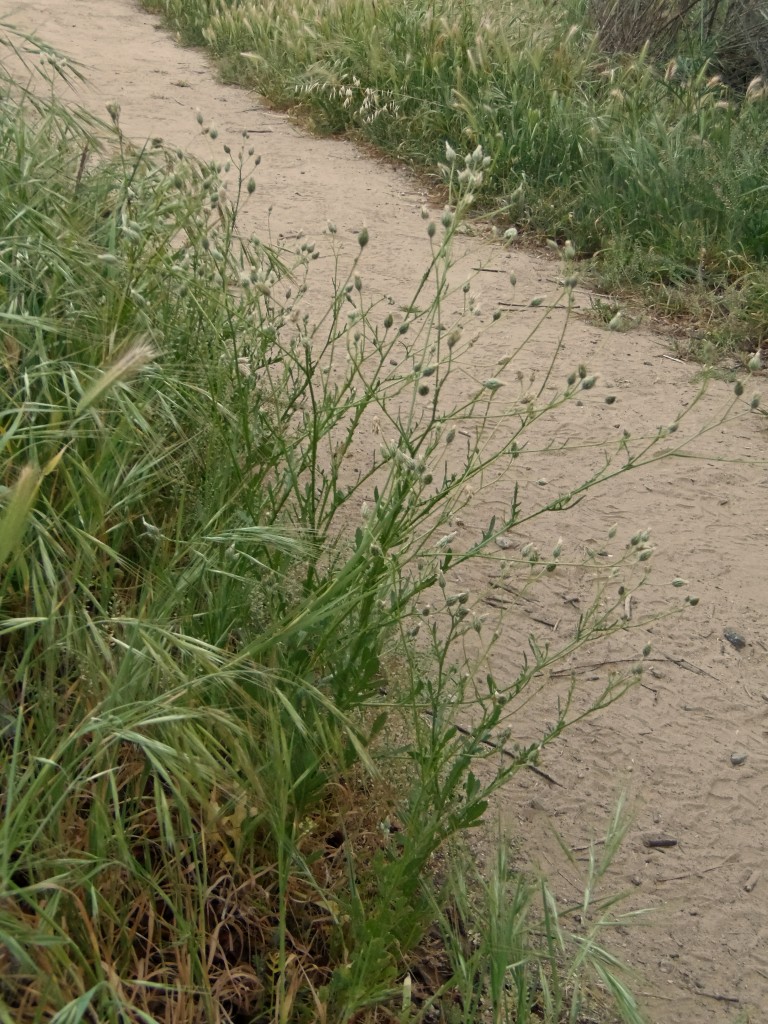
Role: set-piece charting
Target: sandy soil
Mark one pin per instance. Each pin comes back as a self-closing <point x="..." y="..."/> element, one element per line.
<point x="702" y="955"/>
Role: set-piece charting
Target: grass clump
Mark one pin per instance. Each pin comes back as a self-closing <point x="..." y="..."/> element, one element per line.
<point x="245" y="705"/>
<point x="647" y="160"/>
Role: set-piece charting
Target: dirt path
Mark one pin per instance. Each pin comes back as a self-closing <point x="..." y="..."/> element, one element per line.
<point x="702" y="957"/>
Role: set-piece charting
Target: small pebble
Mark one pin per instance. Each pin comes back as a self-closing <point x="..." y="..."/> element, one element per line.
<point x="658" y="842"/>
<point x="738" y="759"/>
<point x="735" y="639"/>
<point x="752" y="881"/>
<point x="504" y="543"/>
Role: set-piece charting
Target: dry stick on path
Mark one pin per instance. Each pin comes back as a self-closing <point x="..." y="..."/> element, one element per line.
<point x="718" y="996"/>
<point x="595" y="665"/>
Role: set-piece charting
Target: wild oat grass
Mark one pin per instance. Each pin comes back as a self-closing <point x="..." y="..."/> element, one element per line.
<point x="237" y="719"/>
<point x="647" y="160"/>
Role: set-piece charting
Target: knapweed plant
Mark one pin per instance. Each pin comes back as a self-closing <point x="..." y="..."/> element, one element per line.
<point x="244" y="704"/>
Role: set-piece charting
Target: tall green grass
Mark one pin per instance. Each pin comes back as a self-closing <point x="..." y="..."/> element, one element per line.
<point x="238" y="720"/>
<point x="652" y="166"/>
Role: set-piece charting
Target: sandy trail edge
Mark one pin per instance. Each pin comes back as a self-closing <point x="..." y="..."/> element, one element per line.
<point x="667" y="744"/>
